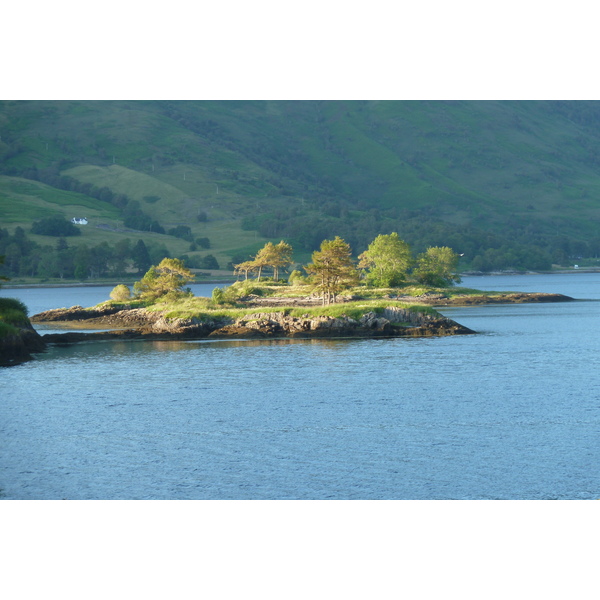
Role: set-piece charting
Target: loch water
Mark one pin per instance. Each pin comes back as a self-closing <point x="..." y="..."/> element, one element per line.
<point x="510" y="413"/>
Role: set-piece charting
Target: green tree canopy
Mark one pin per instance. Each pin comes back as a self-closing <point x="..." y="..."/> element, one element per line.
<point x="386" y="261"/>
<point x="244" y="268"/>
<point x="279" y="256"/>
<point x="141" y="256"/>
<point x="437" y="267"/>
<point x="263" y="258"/>
<point x="168" y="278"/>
<point x="276" y="256"/>
<point x="3" y="277"/>
<point x="332" y="269"/>
<point x="55" y="226"/>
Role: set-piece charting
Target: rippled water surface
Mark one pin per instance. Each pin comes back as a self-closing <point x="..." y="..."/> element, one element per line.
<point x="511" y="413"/>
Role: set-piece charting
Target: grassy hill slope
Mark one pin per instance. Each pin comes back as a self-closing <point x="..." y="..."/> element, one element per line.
<point x="501" y="182"/>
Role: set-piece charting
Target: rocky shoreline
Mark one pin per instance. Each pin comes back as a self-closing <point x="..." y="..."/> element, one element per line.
<point x="18" y="348"/>
<point x="120" y="323"/>
<point x="435" y="299"/>
<point x="140" y="323"/>
<point x="427" y="299"/>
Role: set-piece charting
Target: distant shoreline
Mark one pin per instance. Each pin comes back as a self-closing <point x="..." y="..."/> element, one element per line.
<point x="93" y="284"/>
<point x="556" y="272"/>
<point x="220" y="280"/>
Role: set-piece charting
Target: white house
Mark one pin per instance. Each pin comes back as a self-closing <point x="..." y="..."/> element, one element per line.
<point x="77" y="221"/>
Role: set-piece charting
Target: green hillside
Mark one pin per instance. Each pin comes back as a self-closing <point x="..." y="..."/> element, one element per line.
<point x="507" y="184"/>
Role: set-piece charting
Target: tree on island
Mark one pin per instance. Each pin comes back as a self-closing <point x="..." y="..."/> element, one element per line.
<point x="386" y="261"/>
<point x="437" y="267"/>
<point x="167" y="279"/>
<point x="332" y="269"/>
<point x="244" y="268"/>
<point x="276" y="256"/>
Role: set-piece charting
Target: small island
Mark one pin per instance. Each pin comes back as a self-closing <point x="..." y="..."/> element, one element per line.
<point x="334" y="299"/>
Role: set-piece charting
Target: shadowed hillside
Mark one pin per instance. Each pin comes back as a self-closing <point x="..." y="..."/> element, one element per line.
<point x="507" y="184"/>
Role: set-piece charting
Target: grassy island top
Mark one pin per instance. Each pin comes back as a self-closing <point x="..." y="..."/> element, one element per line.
<point x="247" y="297"/>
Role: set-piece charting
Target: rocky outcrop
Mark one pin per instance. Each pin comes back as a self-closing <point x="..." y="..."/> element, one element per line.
<point x="75" y="313"/>
<point x="17" y="348"/>
<point x="437" y="299"/>
<point x="391" y="322"/>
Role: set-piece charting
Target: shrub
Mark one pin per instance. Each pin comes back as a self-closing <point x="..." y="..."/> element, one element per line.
<point x="241" y="289"/>
<point x="218" y="295"/>
<point x="296" y="278"/>
<point x="120" y="293"/>
<point x="14" y="304"/>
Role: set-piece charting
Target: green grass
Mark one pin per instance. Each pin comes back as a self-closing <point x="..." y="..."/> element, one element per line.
<point x="7" y="330"/>
<point x="13" y="314"/>
<point x="355" y="310"/>
<point x="23" y="201"/>
<point x="14" y="317"/>
<point x="7" y="304"/>
<point x="205" y="310"/>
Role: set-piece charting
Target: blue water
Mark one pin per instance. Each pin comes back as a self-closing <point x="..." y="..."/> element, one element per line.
<point x="511" y="413"/>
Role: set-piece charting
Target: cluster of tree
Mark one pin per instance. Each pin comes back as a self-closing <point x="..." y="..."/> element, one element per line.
<point x="387" y="262"/>
<point x="277" y="256"/>
<point x="3" y="277"/>
<point x="525" y="245"/>
<point x="26" y="258"/>
<point x="207" y="261"/>
<point x="183" y="232"/>
<point x="165" y="281"/>
<point x="55" y="226"/>
<point x="135" y="218"/>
